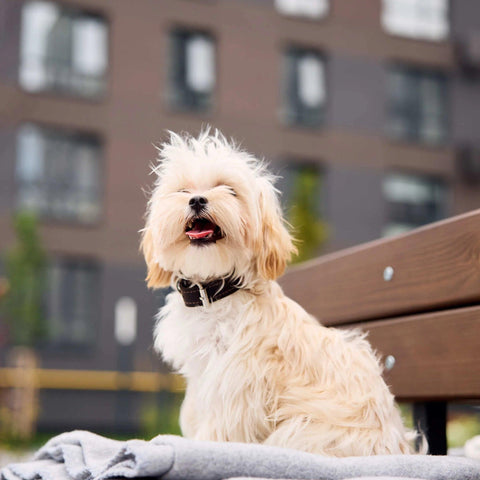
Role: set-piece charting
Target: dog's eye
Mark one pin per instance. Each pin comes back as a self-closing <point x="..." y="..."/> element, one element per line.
<point x="183" y="190"/>
<point x="230" y="189"/>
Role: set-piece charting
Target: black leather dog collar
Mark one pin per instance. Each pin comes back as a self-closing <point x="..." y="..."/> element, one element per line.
<point x="198" y="295"/>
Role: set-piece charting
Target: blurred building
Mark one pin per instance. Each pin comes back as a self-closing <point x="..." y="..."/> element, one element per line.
<point x="379" y="100"/>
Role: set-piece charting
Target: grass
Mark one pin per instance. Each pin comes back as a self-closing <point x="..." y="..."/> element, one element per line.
<point x="462" y="427"/>
<point x="158" y="415"/>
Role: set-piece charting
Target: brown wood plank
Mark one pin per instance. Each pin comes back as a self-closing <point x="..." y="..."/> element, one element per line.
<point x="437" y="355"/>
<point x="435" y="267"/>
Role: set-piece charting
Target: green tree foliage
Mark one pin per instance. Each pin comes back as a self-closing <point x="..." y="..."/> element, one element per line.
<point x="308" y="228"/>
<point x="25" y="266"/>
<point x="160" y="414"/>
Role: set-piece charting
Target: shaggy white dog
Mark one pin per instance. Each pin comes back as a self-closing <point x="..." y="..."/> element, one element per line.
<point x="258" y="367"/>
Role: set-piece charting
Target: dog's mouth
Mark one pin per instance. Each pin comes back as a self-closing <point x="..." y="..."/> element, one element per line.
<point x="203" y="231"/>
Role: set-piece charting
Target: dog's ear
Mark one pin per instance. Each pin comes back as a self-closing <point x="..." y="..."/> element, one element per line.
<point x="274" y="246"/>
<point x="157" y="277"/>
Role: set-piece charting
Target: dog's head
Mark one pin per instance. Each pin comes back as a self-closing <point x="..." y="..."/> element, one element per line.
<point x="213" y="212"/>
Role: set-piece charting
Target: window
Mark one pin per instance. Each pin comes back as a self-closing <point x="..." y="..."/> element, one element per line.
<point x="424" y="19"/>
<point x="304" y="87"/>
<point x="62" y="50"/>
<point x="302" y="185"/>
<point x="417" y="109"/>
<point x="413" y="201"/>
<point x="299" y="177"/>
<point x="73" y="301"/>
<point x="303" y="8"/>
<point x="58" y="174"/>
<point x="192" y="79"/>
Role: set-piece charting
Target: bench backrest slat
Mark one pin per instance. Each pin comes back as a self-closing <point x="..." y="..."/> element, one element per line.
<point x="434" y="267"/>
<point x="436" y="354"/>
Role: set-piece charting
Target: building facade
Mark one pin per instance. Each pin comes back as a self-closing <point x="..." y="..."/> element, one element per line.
<point x="378" y="100"/>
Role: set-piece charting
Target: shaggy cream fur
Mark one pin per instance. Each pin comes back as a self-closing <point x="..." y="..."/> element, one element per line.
<point x="258" y="367"/>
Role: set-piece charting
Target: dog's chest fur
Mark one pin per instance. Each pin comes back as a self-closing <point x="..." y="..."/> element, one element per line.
<point x="192" y="340"/>
<point x="213" y="348"/>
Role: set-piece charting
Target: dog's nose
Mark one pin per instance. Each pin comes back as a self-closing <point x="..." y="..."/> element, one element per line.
<point x="197" y="203"/>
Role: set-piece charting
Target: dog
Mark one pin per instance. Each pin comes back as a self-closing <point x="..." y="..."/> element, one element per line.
<point x="258" y="367"/>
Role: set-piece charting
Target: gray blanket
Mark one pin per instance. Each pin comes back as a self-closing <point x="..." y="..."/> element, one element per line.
<point x="83" y="455"/>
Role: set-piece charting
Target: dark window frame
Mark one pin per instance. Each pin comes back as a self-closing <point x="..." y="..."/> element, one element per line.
<point x="63" y="79"/>
<point x="414" y="215"/>
<point x="52" y="188"/>
<point x="418" y="35"/>
<point x="181" y="97"/>
<point x="61" y="309"/>
<point x="301" y="15"/>
<point x="411" y="115"/>
<point x="288" y="172"/>
<point x="295" y="113"/>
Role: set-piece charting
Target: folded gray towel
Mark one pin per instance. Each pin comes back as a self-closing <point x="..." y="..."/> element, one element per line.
<point x="83" y="455"/>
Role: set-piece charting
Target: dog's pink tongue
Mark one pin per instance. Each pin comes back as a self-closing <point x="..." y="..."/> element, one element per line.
<point x="200" y="233"/>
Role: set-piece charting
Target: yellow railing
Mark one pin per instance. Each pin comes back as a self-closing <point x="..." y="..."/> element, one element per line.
<point x="44" y="378"/>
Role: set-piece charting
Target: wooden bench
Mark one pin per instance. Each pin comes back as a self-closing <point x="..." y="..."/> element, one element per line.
<point x="418" y="296"/>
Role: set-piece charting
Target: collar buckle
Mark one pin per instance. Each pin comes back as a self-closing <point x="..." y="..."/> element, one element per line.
<point x="203" y="295"/>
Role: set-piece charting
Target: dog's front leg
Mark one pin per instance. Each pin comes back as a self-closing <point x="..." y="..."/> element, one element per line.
<point x="188" y="415"/>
